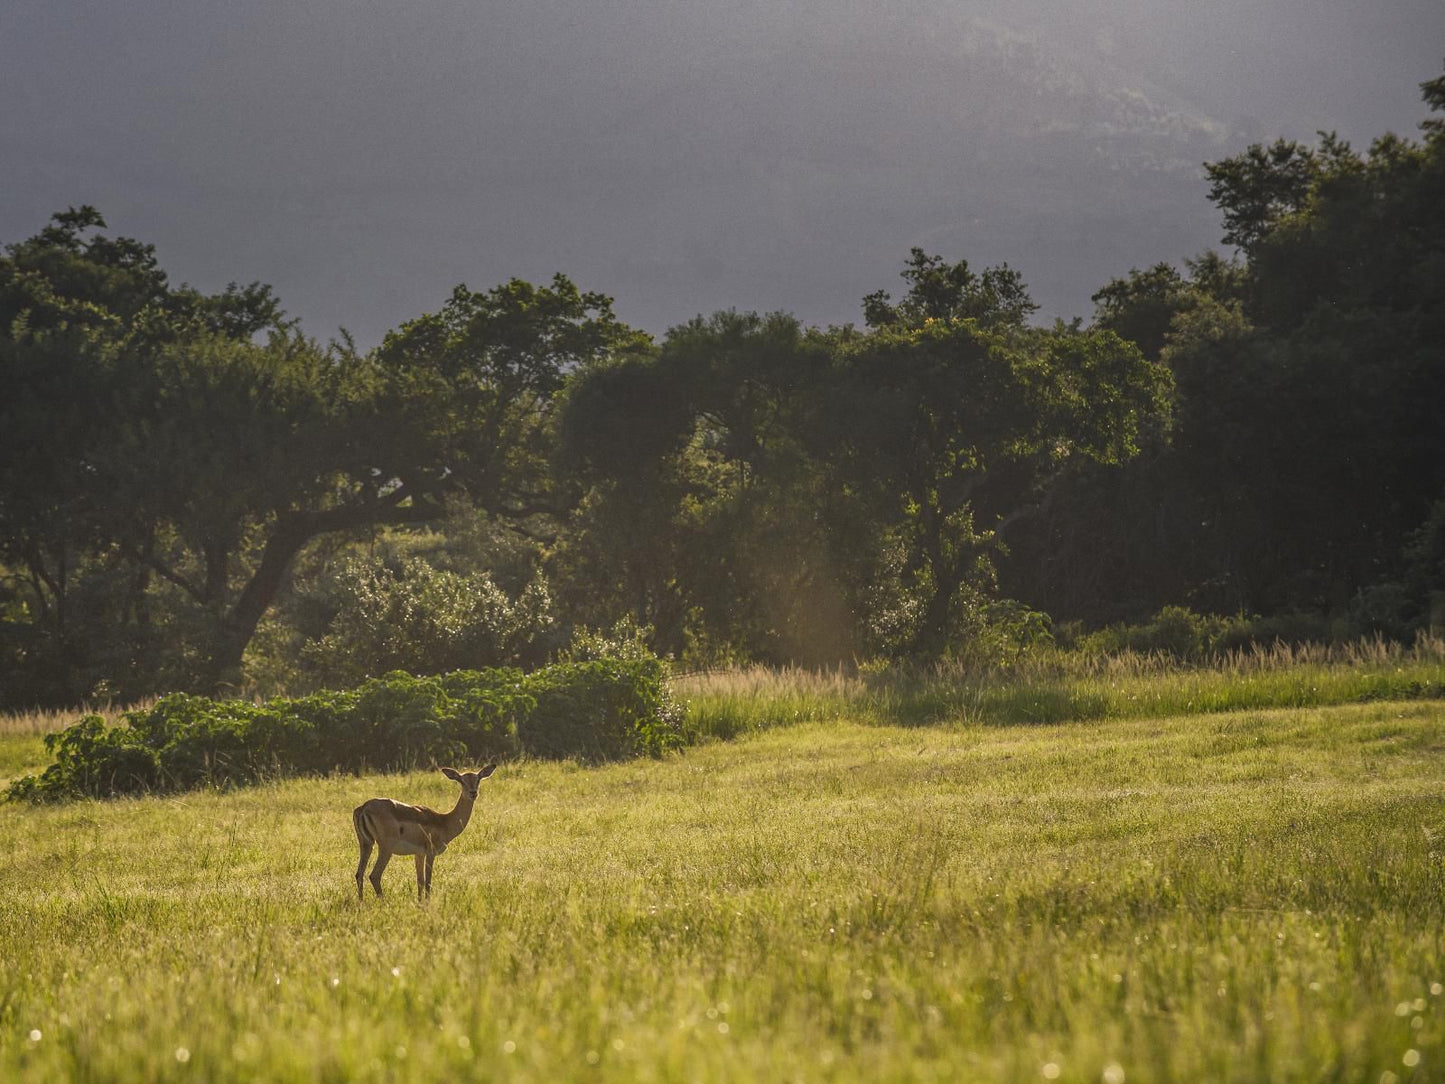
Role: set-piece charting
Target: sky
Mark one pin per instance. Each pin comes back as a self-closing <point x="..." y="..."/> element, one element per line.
<point x="366" y="156"/>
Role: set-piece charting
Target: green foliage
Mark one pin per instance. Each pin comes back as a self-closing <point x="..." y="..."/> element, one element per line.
<point x="91" y="759"/>
<point x="600" y="709"/>
<point x="410" y="616"/>
<point x="1309" y="423"/>
<point x="822" y="495"/>
<point x="1141" y="307"/>
<point x="1425" y="570"/>
<point x="1306" y="443"/>
<point x="1255" y="434"/>
<point x="996" y="297"/>
<point x="1259" y="188"/>
<point x="123" y="393"/>
<point x="1185" y="635"/>
<point x="603" y="709"/>
<point x="625" y="640"/>
<point x="707" y="529"/>
<point x="159" y="451"/>
<point x="473" y="385"/>
<point x="1145" y="306"/>
<point x="946" y="431"/>
<point x="1000" y="632"/>
<point x="1175" y="631"/>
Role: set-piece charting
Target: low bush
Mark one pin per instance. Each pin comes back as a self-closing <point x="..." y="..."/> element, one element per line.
<point x="1183" y="635"/>
<point x="1175" y="631"/>
<point x="602" y="709"/>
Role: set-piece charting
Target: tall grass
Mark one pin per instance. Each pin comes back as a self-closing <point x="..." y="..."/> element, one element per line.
<point x="40" y="721"/>
<point x="1063" y="687"/>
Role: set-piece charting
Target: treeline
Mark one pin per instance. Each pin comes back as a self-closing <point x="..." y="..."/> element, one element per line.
<point x="193" y="495"/>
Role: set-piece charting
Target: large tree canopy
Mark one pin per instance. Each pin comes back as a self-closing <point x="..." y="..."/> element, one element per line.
<point x="153" y="445"/>
<point x="1311" y="381"/>
<point x="839" y="491"/>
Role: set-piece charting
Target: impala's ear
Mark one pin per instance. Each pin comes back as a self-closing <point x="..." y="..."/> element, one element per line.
<point x="488" y="770"/>
<point x="452" y="774"/>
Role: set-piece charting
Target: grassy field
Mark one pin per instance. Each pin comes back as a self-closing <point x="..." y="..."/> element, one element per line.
<point x="1237" y="895"/>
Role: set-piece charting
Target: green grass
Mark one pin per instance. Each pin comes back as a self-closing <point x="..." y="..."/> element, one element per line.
<point x="21" y="754"/>
<point x="1254" y="895"/>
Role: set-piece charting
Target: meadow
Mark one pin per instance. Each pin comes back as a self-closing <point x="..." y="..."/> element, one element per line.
<point x="1136" y="873"/>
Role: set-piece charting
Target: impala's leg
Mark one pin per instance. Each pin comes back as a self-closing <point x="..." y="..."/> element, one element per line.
<point x="429" y="860"/>
<point x="361" y="866"/>
<point x="365" y="842"/>
<point x="382" y="858"/>
<point x="420" y="875"/>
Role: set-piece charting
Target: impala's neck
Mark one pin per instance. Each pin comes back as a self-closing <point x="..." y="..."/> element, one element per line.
<point x="457" y="819"/>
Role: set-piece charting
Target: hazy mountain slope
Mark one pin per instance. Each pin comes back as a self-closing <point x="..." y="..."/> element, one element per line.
<point x="682" y="155"/>
<point x="795" y="175"/>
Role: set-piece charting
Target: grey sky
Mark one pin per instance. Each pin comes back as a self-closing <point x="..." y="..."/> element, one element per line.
<point x="365" y="156"/>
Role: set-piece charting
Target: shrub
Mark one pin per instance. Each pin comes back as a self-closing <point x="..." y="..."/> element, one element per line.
<point x="626" y="640"/>
<point x="419" y="619"/>
<point x="485" y="706"/>
<point x="92" y="760"/>
<point x="1186" y="636"/>
<point x="600" y="709"/>
<point x="998" y="632"/>
<point x="1175" y="631"/>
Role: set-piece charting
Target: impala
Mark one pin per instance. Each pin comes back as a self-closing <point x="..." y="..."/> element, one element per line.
<point x="398" y="828"/>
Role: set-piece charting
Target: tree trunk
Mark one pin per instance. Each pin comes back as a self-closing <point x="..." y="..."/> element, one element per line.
<point x="292" y="532"/>
<point x="217" y="556"/>
<point x="237" y="626"/>
<point x="932" y="635"/>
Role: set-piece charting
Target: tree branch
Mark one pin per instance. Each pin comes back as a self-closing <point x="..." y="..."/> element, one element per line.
<point x="155" y="564"/>
<point x="292" y="532"/>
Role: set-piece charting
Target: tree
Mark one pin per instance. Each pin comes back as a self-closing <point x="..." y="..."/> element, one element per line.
<point x="410" y="616"/>
<point x="1141" y="307"/>
<point x="950" y="431"/>
<point x="833" y="492"/>
<point x="469" y="390"/>
<point x="452" y="403"/>
<point x="1307" y="442"/>
<point x="697" y="520"/>
<point x="1343" y="294"/>
<point x="195" y="464"/>
<point x="996" y="297"/>
<point x="82" y="313"/>
<point x="1259" y="188"/>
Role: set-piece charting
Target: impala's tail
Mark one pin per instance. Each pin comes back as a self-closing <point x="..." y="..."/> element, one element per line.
<point x="365" y="829"/>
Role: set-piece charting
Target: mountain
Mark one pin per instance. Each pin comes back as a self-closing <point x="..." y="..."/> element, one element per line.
<point x="682" y="155"/>
<point x="799" y="172"/>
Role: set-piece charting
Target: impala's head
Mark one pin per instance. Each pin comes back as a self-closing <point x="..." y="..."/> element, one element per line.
<point x="469" y="781"/>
